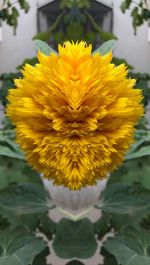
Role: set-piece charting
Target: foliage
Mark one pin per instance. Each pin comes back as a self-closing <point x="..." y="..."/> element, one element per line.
<point x="7" y="83"/>
<point x="31" y="61"/>
<point x="143" y="81"/>
<point x="80" y="241"/>
<point x="18" y="247"/>
<point x="78" y="3"/>
<point x="139" y="11"/>
<point x="10" y="13"/>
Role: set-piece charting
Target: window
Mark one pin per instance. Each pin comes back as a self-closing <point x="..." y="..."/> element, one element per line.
<point x="48" y="13"/>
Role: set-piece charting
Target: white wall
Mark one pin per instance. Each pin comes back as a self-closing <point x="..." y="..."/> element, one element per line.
<point x="135" y="49"/>
<point x="14" y="49"/>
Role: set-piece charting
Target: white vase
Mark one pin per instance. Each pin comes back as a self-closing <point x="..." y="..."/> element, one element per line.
<point x="74" y="204"/>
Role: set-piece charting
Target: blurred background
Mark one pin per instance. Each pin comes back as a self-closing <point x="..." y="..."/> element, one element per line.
<point x="54" y="21"/>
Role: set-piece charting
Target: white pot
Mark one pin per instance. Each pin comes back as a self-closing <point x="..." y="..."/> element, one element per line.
<point x="74" y="204"/>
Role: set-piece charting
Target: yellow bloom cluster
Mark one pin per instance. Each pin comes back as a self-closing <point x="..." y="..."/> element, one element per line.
<point x="74" y="114"/>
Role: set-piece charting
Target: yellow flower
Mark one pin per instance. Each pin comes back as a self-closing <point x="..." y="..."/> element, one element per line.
<point x="74" y="114"/>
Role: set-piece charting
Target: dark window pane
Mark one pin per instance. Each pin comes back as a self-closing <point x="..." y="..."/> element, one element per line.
<point x="48" y="14"/>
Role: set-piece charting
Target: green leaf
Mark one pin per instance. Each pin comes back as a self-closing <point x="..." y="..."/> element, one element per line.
<point x="24" y="5"/>
<point x="8" y="147"/>
<point x="126" y="199"/>
<point x="16" y="171"/>
<point x="75" y="31"/>
<point x="59" y="37"/>
<point x="125" y="5"/>
<point x="75" y="239"/>
<point x="31" y="61"/>
<point x="44" y="36"/>
<point x="143" y="151"/>
<point x="117" y="61"/>
<point x="131" y="247"/>
<point x="107" y="36"/>
<point x="141" y="147"/>
<point x="3" y="223"/>
<point x="31" y="221"/>
<point x="106" y="47"/>
<point x="17" y="247"/>
<point x="47" y="226"/>
<point x="44" y="47"/>
<point x="41" y="259"/>
<point x="6" y="84"/>
<point x="24" y="199"/>
<point x="143" y="83"/>
<point x="133" y="171"/>
<point x="14" y="153"/>
<point x="120" y="220"/>
<point x="108" y="258"/>
<point x="102" y="226"/>
<point x="15" y="12"/>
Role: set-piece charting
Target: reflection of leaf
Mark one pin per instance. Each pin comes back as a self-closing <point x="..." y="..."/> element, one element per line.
<point x="74" y="239"/>
<point x="131" y="246"/>
<point x="18" y="248"/>
<point x="108" y="258"/>
<point x="24" y="199"/>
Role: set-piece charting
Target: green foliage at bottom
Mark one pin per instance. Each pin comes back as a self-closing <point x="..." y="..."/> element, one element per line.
<point x="75" y="239"/>
<point x="131" y="246"/>
<point x="17" y="247"/>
